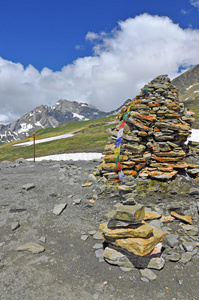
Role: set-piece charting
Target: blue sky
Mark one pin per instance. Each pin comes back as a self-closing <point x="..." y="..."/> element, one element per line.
<point x="75" y="49"/>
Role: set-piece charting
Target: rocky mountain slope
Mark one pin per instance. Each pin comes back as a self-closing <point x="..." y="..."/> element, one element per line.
<point x="45" y="116"/>
<point x="188" y="84"/>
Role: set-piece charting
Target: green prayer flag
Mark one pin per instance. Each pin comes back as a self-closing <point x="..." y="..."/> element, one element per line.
<point x="125" y="116"/>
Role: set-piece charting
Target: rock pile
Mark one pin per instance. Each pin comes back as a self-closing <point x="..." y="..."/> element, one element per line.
<point x="127" y="231"/>
<point x="150" y="140"/>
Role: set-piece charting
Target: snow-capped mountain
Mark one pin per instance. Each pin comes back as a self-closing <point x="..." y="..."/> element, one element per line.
<point x="45" y="116"/>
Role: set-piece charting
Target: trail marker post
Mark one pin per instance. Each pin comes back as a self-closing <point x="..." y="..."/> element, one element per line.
<point x="33" y="139"/>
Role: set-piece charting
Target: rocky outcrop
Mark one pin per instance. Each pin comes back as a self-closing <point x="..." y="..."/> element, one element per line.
<point x="149" y="141"/>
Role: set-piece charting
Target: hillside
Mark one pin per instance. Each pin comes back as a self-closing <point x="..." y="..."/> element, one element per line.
<point x="188" y="86"/>
<point x="90" y="135"/>
<point x="44" y="116"/>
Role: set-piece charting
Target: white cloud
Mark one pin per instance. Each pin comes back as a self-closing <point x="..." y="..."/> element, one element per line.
<point x="136" y="51"/>
<point x="195" y="3"/>
<point x="92" y="36"/>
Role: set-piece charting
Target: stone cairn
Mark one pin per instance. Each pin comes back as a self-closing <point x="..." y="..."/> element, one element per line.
<point x="131" y="241"/>
<point x="149" y="141"/>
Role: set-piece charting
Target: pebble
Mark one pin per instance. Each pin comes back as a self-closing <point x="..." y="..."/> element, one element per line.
<point x="172" y="240"/>
<point x="92" y="177"/>
<point x="173" y="256"/>
<point x="185" y="258"/>
<point x="84" y="237"/>
<point x="15" y="225"/>
<point x="42" y="239"/>
<point x="156" y="263"/>
<point x="155" y="223"/>
<point x="98" y="246"/>
<point x="144" y="279"/>
<point x="126" y="269"/>
<point x="189" y="246"/>
<point x="77" y="201"/>
<point x="32" y="247"/>
<point x="99" y="253"/>
<point x="58" y="209"/>
<point x="28" y="186"/>
<point x="146" y="273"/>
<point x="97" y="236"/>
<point x="92" y="232"/>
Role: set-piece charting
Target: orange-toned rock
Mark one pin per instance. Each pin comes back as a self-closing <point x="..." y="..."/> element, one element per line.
<point x="139" y="166"/>
<point x="138" y="124"/>
<point x="127" y="164"/>
<point x="87" y="184"/>
<point x="193" y="166"/>
<point x="142" y="133"/>
<point x="109" y="147"/>
<point x="154" y="104"/>
<point x="182" y="217"/>
<point x="167" y="219"/>
<point x="130" y="172"/>
<point x="108" y="166"/>
<point x="150" y="215"/>
<point x="161" y="175"/>
<point x="172" y="106"/>
<point x="111" y="158"/>
<point x="165" y="159"/>
<point x="143" y="117"/>
<point x="164" y="169"/>
<point x="139" y="246"/>
<point x="141" y="230"/>
<point x="180" y="153"/>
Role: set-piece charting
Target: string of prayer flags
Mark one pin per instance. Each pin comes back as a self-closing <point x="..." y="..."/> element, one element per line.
<point x="118" y="143"/>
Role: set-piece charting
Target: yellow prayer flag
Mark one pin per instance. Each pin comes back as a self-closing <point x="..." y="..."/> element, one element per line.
<point x="117" y="151"/>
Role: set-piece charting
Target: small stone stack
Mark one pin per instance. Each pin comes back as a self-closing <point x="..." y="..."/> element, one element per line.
<point x="153" y="140"/>
<point x="127" y="231"/>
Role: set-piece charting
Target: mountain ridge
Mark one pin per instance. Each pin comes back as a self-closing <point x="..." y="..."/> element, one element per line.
<point x="44" y="116"/>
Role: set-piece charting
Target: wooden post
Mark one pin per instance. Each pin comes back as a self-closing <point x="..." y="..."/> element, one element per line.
<point x="33" y="139"/>
<point x="33" y="147"/>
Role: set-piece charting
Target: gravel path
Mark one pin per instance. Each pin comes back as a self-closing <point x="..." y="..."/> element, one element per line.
<point x="68" y="269"/>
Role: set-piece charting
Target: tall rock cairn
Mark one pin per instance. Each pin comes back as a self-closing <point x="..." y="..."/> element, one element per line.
<point x="149" y="140"/>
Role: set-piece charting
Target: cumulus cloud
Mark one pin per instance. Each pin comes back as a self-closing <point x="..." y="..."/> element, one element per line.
<point x="123" y="60"/>
<point x="195" y="3"/>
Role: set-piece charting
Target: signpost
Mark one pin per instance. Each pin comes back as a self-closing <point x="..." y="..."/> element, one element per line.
<point x="33" y="139"/>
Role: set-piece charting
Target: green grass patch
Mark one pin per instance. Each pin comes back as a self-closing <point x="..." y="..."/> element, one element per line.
<point x="91" y="136"/>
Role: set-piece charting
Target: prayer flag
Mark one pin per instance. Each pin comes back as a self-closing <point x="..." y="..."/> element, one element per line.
<point x="117" y="151"/>
<point x="117" y="159"/>
<point x="121" y="175"/>
<point x="119" y="166"/>
<point x="122" y="124"/>
<point x="120" y="133"/>
<point x="118" y="142"/>
<point x="125" y="116"/>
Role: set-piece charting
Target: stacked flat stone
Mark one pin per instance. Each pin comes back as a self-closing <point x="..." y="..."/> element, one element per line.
<point x="126" y="230"/>
<point x="154" y="136"/>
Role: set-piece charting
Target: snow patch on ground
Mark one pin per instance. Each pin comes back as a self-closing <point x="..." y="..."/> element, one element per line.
<point x="70" y="156"/>
<point x="194" y="135"/>
<point x="63" y="136"/>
